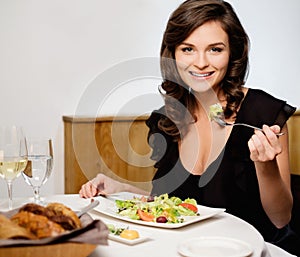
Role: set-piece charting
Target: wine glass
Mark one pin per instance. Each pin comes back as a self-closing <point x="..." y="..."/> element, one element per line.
<point x="13" y="156"/>
<point x="40" y="163"/>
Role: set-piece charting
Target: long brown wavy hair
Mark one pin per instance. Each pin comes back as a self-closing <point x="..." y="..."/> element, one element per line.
<point x="179" y="103"/>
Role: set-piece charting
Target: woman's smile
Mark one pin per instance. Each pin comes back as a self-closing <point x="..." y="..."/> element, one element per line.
<point x="205" y="75"/>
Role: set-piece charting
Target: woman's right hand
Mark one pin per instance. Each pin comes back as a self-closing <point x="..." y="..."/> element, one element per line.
<point x="101" y="184"/>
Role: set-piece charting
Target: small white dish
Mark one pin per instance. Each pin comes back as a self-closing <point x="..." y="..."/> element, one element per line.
<point x="214" y="247"/>
<point x="139" y="240"/>
<point x="143" y="236"/>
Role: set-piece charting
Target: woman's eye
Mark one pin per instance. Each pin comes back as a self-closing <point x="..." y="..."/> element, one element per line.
<point x="216" y="49"/>
<point x="187" y="49"/>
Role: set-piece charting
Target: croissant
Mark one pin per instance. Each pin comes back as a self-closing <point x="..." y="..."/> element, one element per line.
<point x="36" y="224"/>
<point x="51" y="220"/>
<point x="10" y="230"/>
<point x="56" y="212"/>
<point x="63" y="215"/>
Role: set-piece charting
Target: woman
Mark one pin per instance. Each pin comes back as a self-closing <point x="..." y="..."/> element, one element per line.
<point x="204" y="61"/>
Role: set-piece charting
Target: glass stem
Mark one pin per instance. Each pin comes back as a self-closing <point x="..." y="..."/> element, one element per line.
<point x="9" y="189"/>
<point x="36" y="191"/>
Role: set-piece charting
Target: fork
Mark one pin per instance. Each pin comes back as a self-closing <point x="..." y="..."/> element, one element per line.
<point x="223" y="123"/>
<point x="89" y="207"/>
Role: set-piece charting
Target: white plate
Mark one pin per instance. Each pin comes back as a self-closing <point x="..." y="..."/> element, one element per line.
<point x="107" y="206"/>
<point x="143" y="236"/>
<point x="214" y="246"/>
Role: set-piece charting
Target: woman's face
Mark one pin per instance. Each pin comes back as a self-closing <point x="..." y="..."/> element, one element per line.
<point x="202" y="58"/>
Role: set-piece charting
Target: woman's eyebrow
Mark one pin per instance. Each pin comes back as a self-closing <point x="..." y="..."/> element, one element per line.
<point x="187" y="44"/>
<point x="217" y="43"/>
<point x="210" y="45"/>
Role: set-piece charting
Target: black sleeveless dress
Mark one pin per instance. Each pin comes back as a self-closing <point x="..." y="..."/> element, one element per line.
<point x="230" y="181"/>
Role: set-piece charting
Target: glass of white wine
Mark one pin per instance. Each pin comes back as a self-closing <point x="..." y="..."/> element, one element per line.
<point x="13" y="156"/>
<point x="40" y="163"/>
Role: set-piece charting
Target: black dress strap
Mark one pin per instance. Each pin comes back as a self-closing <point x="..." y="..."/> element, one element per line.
<point x="259" y="108"/>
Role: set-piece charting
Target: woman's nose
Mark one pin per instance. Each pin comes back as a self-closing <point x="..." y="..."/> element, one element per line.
<point x="201" y="61"/>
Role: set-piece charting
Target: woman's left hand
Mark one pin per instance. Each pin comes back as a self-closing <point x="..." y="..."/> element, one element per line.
<point x="264" y="145"/>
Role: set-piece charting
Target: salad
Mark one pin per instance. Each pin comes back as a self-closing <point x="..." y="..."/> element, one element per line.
<point x="160" y="209"/>
<point x="115" y="230"/>
<point x="215" y="110"/>
<point x="123" y="232"/>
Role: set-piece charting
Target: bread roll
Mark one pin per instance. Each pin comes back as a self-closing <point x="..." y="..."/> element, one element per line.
<point x="56" y="212"/>
<point x="63" y="215"/>
<point x="36" y="224"/>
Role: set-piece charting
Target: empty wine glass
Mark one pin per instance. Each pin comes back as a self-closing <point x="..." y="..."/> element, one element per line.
<point x="40" y="163"/>
<point x="13" y="156"/>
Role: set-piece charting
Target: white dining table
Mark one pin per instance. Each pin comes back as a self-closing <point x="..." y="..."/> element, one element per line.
<point x="165" y="241"/>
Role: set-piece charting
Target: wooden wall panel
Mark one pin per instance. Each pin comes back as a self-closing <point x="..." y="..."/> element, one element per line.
<point x="114" y="146"/>
<point x="294" y="142"/>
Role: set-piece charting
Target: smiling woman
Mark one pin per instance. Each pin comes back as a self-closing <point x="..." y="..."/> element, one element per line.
<point x="204" y="61"/>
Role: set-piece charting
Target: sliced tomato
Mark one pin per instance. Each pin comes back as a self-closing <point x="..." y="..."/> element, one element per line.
<point x="145" y="216"/>
<point x="189" y="206"/>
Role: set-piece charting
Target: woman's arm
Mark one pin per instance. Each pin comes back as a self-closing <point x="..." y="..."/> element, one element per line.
<point x="105" y="185"/>
<point x="271" y="158"/>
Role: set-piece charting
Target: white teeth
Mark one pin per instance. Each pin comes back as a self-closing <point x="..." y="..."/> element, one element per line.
<point x="200" y="75"/>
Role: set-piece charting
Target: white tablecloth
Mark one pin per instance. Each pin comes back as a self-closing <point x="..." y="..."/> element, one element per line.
<point x="164" y="242"/>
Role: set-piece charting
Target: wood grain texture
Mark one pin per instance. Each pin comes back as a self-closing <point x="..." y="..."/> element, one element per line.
<point x="294" y="142"/>
<point x="63" y="249"/>
<point x="115" y="146"/>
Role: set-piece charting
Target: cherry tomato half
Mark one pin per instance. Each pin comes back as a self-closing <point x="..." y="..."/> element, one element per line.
<point x="145" y="216"/>
<point x="189" y="206"/>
